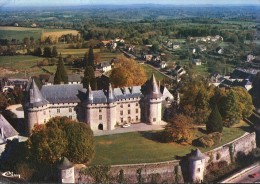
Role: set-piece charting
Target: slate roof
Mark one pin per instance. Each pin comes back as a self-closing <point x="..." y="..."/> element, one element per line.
<point x="64" y="164"/>
<point x="64" y="93"/>
<point x="9" y="131"/>
<point x="71" y="78"/>
<point x="35" y="97"/>
<point x="196" y="155"/>
<point x="102" y="96"/>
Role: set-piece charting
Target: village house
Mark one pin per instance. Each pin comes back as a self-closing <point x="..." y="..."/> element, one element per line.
<point x="197" y="62"/>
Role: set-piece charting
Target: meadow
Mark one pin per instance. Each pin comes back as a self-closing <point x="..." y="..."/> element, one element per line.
<point x="18" y="33"/>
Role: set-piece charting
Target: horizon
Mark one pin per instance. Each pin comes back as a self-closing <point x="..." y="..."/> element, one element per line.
<point x="62" y="3"/>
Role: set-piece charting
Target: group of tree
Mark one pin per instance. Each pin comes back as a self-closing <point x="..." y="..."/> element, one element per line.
<point x="204" y="104"/>
<point x="10" y="97"/>
<point x="49" y="143"/>
<point x="127" y="72"/>
<point x="47" y="52"/>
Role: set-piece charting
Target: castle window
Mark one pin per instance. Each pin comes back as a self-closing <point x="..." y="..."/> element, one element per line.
<point x="100" y="117"/>
<point x="136" y="104"/>
<point x="58" y="110"/>
<point x="154" y="119"/>
<point x="136" y="118"/>
<point x="122" y="120"/>
<point x="129" y="112"/>
<point x="136" y="110"/>
<point x="128" y="105"/>
<point x="70" y="109"/>
<point x="100" y="110"/>
<point x="198" y="170"/>
<point x="121" y="112"/>
<point x="121" y="106"/>
<point x="44" y="120"/>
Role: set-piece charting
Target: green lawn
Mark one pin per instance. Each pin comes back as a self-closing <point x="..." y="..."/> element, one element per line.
<point x="140" y="147"/>
<point x="149" y="71"/>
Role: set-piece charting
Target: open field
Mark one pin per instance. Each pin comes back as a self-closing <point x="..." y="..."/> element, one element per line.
<point x="149" y="71"/>
<point x="142" y="147"/>
<point x="9" y="32"/>
<point x="54" y="35"/>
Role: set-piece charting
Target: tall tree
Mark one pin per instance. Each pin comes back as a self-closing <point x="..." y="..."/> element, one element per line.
<point x="214" y="122"/>
<point x="61" y="74"/>
<point x="89" y="78"/>
<point x="54" y="52"/>
<point x="91" y="57"/>
<point x="47" y="52"/>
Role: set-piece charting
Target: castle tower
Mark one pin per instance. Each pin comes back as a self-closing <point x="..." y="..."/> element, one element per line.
<point x="154" y="102"/>
<point x="111" y="110"/>
<point x="66" y="171"/>
<point x="197" y="166"/>
<point x="89" y="103"/>
<point x="36" y="108"/>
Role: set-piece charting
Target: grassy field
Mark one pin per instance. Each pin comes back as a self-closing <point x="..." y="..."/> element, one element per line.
<point x="22" y="65"/>
<point x="140" y="147"/>
<point x="9" y="32"/>
<point x="149" y="71"/>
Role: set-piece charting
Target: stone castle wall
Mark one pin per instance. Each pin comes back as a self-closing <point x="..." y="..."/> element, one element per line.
<point x="244" y="144"/>
<point x="169" y="171"/>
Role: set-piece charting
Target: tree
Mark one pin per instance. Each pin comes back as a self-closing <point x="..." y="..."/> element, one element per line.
<point x="54" y="52"/>
<point x="47" y="52"/>
<point x="47" y="145"/>
<point x="229" y="109"/>
<point x="61" y="137"/>
<point x="61" y="74"/>
<point x="89" y="78"/>
<point x="37" y="51"/>
<point x="214" y="122"/>
<point x="91" y="57"/>
<point x="127" y="73"/>
<point x="80" y="142"/>
<point x="178" y="130"/>
<point x="244" y="101"/>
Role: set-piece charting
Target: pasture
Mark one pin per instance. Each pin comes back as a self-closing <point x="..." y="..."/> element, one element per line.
<point x="18" y="33"/>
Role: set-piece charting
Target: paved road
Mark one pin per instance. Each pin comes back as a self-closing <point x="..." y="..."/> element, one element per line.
<point x="246" y="178"/>
<point x="132" y="128"/>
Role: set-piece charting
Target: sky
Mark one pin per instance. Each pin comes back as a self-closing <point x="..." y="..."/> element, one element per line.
<point x="98" y="2"/>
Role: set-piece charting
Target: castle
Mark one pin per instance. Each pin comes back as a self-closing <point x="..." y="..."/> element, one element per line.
<point x="101" y="109"/>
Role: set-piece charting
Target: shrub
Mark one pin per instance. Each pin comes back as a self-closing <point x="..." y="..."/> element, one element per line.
<point x="210" y="139"/>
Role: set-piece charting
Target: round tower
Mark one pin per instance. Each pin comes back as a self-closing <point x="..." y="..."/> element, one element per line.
<point x="88" y="105"/>
<point x="66" y="171"/>
<point x="36" y="108"/>
<point x="111" y="109"/>
<point x="154" y="102"/>
<point x="197" y="166"/>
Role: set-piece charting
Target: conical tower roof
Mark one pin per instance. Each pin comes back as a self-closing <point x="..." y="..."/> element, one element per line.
<point x="90" y="94"/>
<point x="197" y="155"/>
<point x="110" y="94"/>
<point x="35" y="96"/>
<point x="64" y="164"/>
<point x="154" y="91"/>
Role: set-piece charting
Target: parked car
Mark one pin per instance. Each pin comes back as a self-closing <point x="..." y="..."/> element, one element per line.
<point x="126" y="125"/>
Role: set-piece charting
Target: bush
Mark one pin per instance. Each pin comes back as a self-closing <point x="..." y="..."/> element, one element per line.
<point x="210" y="139"/>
